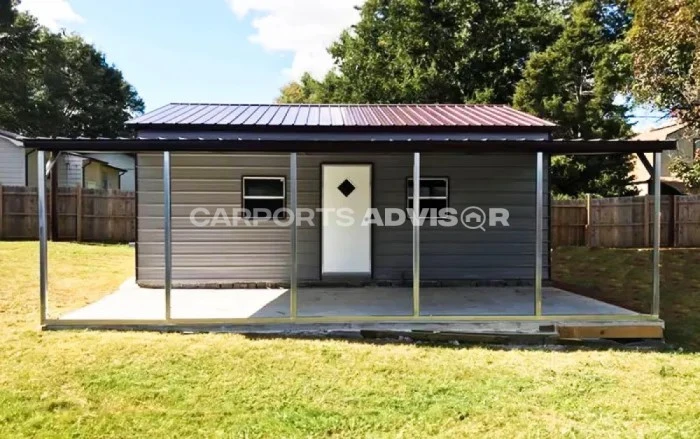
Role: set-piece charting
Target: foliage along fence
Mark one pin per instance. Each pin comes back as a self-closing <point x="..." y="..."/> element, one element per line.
<point x="83" y="214"/>
<point x="626" y="221"/>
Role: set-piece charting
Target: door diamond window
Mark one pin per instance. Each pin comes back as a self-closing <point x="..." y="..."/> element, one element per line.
<point x="346" y="188"/>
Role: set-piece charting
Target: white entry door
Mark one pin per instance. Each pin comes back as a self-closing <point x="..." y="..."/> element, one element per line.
<point x="346" y="194"/>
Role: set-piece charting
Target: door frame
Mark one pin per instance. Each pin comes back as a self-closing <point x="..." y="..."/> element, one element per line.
<point x="371" y="205"/>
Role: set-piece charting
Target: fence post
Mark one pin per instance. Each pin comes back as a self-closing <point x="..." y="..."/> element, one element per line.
<point x="646" y="221"/>
<point x="79" y="213"/>
<point x="673" y="221"/>
<point x="588" y="221"/>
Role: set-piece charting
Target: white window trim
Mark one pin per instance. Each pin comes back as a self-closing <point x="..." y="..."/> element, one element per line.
<point x="245" y="197"/>
<point x="446" y="197"/>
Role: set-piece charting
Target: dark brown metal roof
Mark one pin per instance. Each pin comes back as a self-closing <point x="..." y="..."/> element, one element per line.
<point x="346" y="115"/>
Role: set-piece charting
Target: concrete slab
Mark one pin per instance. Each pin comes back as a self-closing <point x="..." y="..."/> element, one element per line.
<point x="132" y="302"/>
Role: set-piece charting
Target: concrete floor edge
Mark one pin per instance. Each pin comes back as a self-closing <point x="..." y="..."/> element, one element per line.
<point x="534" y="327"/>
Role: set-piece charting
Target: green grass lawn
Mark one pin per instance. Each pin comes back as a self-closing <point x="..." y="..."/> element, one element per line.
<point x="130" y="384"/>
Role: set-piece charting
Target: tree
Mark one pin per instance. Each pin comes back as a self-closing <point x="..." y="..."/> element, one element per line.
<point x="58" y="85"/>
<point x="308" y="90"/>
<point x="665" y="39"/>
<point x="604" y="175"/>
<point x="575" y="82"/>
<point x="689" y="173"/>
<point x="81" y="94"/>
<point x="18" y="34"/>
<point x="448" y="51"/>
<point x="293" y="93"/>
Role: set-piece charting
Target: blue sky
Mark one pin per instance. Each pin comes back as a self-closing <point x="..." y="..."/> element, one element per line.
<point x="172" y="51"/>
<point x="238" y="51"/>
<point x="205" y="51"/>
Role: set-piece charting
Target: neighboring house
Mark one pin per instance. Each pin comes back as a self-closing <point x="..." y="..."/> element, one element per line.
<point x="89" y="170"/>
<point x="688" y="142"/>
<point x="12" y="160"/>
<point x="117" y="170"/>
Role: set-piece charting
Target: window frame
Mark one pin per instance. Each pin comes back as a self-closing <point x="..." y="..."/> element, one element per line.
<point x="446" y="197"/>
<point x="283" y="197"/>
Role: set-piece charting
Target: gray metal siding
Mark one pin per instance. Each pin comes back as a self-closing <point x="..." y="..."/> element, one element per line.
<point x="261" y="253"/>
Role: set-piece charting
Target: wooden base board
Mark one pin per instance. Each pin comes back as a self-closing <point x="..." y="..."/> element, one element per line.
<point x="610" y="331"/>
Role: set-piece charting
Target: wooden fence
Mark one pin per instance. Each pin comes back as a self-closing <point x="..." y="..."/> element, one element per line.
<point x="110" y="216"/>
<point x="83" y="214"/>
<point x="626" y="221"/>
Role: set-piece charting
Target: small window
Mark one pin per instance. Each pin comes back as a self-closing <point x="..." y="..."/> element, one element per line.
<point x="263" y="197"/>
<point x="433" y="195"/>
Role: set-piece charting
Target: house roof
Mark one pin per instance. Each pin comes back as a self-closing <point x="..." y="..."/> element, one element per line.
<point x="102" y="162"/>
<point x="9" y="134"/>
<point x="660" y="133"/>
<point x="14" y="138"/>
<point x="675" y="183"/>
<point x="293" y="116"/>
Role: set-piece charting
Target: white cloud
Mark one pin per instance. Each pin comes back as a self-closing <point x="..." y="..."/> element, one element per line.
<point x="53" y="14"/>
<point x="303" y="27"/>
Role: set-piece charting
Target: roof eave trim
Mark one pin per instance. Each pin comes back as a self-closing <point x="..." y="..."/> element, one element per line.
<point x="379" y="146"/>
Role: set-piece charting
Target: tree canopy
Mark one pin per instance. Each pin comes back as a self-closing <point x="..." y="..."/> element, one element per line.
<point x="565" y="60"/>
<point x="447" y="51"/>
<point x="574" y="82"/>
<point x="688" y="172"/>
<point x="665" y="40"/>
<point x="55" y="84"/>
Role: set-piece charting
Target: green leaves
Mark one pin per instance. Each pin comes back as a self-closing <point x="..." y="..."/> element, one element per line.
<point x="689" y="173"/>
<point x="665" y="38"/>
<point x="603" y="175"/>
<point x="447" y="51"/>
<point x="58" y="85"/>
<point x="574" y="82"/>
<point x="569" y="61"/>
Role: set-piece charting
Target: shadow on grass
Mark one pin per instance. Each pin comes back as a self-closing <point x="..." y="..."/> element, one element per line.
<point x="623" y="277"/>
<point x="496" y="342"/>
<point x="535" y="342"/>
